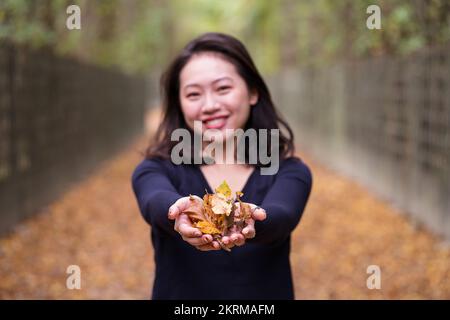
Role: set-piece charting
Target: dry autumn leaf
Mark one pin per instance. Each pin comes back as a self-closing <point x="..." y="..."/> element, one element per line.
<point x="207" y="227"/>
<point x="217" y="215"/>
<point x="245" y="211"/>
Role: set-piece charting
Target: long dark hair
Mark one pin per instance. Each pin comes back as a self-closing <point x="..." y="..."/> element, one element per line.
<point x="263" y="114"/>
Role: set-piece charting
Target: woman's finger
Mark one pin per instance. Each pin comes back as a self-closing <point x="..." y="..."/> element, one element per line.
<point x="258" y="213"/>
<point x="196" y="198"/>
<point x="228" y="241"/>
<point x="184" y="227"/>
<point x="187" y="231"/>
<point x="249" y="230"/>
<point x="176" y="208"/>
<point x="182" y="218"/>
<point x="234" y="239"/>
<point x="238" y="239"/>
<point x="181" y="205"/>
<point x="210" y="246"/>
<point x="203" y="240"/>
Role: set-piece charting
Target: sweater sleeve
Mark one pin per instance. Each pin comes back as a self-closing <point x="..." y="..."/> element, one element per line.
<point x="284" y="203"/>
<point x="155" y="193"/>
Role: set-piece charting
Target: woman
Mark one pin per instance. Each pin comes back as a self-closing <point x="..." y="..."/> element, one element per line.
<point x="214" y="84"/>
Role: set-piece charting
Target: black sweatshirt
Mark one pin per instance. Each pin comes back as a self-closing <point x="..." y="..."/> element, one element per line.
<point x="260" y="269"/>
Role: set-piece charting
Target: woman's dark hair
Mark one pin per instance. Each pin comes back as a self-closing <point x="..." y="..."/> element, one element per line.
<point x="263" y="114"/>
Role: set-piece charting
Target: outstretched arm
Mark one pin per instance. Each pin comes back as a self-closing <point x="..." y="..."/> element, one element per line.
<point x="285" y="202"/>
<point x="155" y="194"/>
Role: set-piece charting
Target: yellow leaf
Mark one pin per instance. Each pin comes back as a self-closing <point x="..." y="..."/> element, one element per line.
<point x="195" y="211"/>
<point x="224" y="189"/>
<point x="220" y="205"/>
<point x="207" y="227"/>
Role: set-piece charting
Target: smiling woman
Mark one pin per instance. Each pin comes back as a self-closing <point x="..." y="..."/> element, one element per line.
<point x="215" y="95"/>
<point x="211" y="90"/>
<point x="214" y="77"/>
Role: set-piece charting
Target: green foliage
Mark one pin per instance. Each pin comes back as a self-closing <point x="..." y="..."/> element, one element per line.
<point x="18" y="23"/>
<point x="138" y="35"/>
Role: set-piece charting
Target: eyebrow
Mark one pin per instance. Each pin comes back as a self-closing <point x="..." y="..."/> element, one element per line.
<point x="217" y="80"/>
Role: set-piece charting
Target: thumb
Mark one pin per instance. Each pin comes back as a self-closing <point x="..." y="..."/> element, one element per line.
<point x="174" y="212"/>
<point x="259" y="214"/>
<point x="176" y="208"/>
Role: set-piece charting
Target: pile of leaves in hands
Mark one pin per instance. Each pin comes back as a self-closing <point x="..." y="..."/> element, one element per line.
<point x="219" y="215"/>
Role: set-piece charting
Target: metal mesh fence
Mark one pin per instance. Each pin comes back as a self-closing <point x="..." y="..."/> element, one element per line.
<point x="58" y="119"/>
<point x="384" y="121"/>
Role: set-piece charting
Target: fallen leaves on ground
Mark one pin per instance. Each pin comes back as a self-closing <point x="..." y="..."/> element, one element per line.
<point x="346" y="228"/>
<point x="97" y="226"/>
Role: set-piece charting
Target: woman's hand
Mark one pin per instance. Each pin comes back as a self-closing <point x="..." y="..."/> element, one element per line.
<point x="184" y="227"/>
<point x="237" y="235"/>
<point x="205" y="242"/>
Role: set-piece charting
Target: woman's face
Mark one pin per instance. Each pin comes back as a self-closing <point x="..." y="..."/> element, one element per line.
<point x="213" y="93"/>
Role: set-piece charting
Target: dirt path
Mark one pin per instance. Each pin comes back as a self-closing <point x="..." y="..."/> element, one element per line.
<point x="97" y="226"/>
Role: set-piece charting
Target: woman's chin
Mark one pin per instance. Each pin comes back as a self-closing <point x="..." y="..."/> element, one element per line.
<point x="216" y="137"/>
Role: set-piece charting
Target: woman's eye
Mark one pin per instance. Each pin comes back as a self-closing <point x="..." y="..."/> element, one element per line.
<point x="224" y="88"/>
<point x="193" y="95"/>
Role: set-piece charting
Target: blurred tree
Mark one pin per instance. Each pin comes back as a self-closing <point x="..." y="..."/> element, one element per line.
<point x="138" y="35"/>
<point x="289" y="35"/>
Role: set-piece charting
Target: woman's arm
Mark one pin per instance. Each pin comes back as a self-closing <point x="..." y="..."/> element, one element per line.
<point x="155" y="193"/>
<point x="160" y="204"/>
<point x="285" y="202"/>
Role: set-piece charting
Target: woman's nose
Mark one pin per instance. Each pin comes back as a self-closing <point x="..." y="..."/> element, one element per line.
<point x="210" y="104"/>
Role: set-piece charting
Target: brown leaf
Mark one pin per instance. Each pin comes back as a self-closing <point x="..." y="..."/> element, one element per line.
<point x="207" y="227"/>
<point x="195" y="211"/>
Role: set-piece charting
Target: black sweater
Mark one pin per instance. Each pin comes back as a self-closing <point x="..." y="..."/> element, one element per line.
<point x="260" y="269"/>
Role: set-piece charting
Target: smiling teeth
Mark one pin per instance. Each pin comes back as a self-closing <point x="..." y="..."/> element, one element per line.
<point x="215" y="121"/>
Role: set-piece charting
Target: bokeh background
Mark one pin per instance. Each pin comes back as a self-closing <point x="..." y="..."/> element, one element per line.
<point x="370" y="109"/>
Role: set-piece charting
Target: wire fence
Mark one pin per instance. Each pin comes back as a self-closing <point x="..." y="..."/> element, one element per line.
<point x="384" y="121"/>
<point x="58" y="119"/>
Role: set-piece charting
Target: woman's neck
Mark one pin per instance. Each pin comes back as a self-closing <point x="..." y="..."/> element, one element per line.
<point x="220" y="152"/>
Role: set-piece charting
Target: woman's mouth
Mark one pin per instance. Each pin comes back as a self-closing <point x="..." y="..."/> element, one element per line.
<point x="215" y="123"/>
